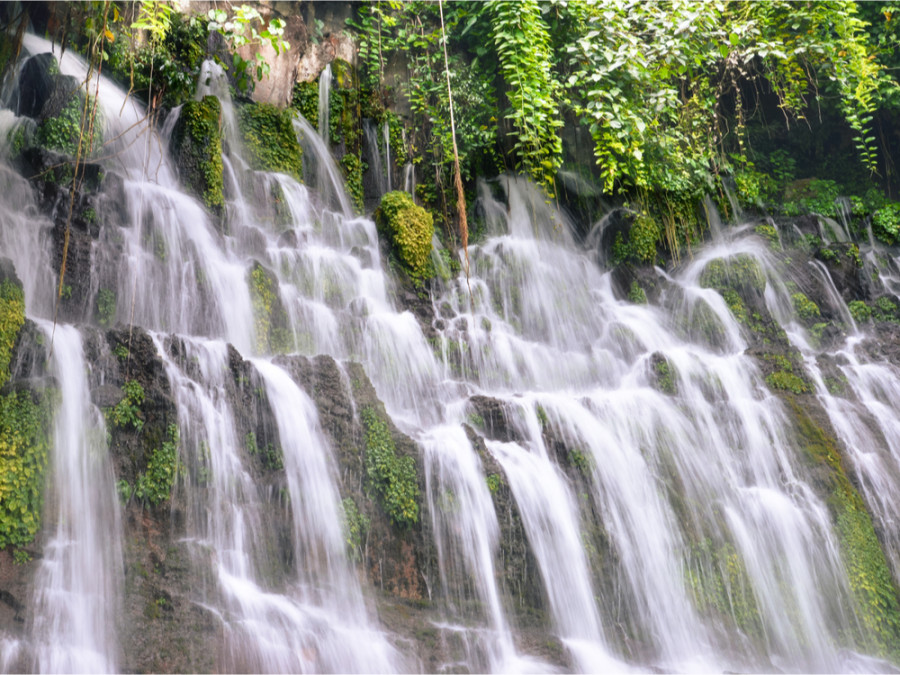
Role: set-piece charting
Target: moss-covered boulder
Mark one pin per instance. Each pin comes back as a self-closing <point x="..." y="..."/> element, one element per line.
<point x="408" y="229"/>
<point x="270" y="140"/>
<point x="197" y="145"/>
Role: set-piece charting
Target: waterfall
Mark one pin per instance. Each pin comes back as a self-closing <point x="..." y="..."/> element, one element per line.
<point x="386" y="138"/>
<point x="324" y="100"/>
<point x="668" y="517"/>
<point x="77" y="588"/>
<point x="409" y="179"/>
<point x="379" y="170"/>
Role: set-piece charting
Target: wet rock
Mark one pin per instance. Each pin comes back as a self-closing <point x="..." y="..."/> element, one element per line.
<point x="491" y="416"/>
<point x="35" y="85"/>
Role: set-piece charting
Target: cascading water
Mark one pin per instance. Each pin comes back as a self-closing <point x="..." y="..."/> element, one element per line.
<point x="671" y="521"/>
<point x="380" y="170"/>
<point x="324" y="101"/>
<point x="77" y="586"/>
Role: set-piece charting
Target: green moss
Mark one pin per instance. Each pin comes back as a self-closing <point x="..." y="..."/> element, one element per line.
<point x="391" y="477"/>
<point x="640" y="245"/>
<point x="305" y="99"/>
<point x="860" y="311"/>
<point x="665" y="377"/>
<point x="270" y="139"/>
<point x="740" y="273"/>
<point x="720" y="586"/>
<point x="353" y="172"/>
<point x="198" y="149"/>
<point x="355" y="526"/>
<point x="106" y="307"/>
<point x="155" y="485"/>
<point x="874" y="592"/>
<point x="269" y="455"/>
<point x="636" y="294"/>
<point x="785" y="381"/>
<point x="806" y="309"/>
<point x="272" y="332"/>
<point x="24" y="445"/>
<point x="770" y="234"/>
<point x="12" y="318"/>
<point x="62" y="132"/>
<point x="409" y="228"/>
<point x="886" y="309"/>
<point x="493" y="483"/>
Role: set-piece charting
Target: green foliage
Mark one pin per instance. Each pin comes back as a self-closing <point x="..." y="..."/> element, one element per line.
<point x="63" y="132"/>
<point x="522" y="40"/>
<point x="269" y="455"/>
<point x="106" y="307"/>
<point x="270" y="139"/>
<point x="412" y="30"/>
<point x="198" y="149"/>
<point x="155" y="485"/>
<point x="493" y="482"/>
<point x="811" y="196"/>
<point x="353" y="171"/>
<point x="127" y="412"/>
<point x="392" y="477"/>
<point x="640" y="245"/>
<point x="409" y="228"/>
<point x="24" y="444"/>
<point x="305" y="99"/>
<point x="860" y="311"/>
<point x="12" y="318"/>
<point x="785" y="381"/>
<point x="166" y="66"/>
<point x="886" y="223"/>
<point x="885" y="309"/>
<point x="245" y="27"/>
<point x="806" y="309"/>
<point x="355" y="526"/>
<point x="636" y="294"/>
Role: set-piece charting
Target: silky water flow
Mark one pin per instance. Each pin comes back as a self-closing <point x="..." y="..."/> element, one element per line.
<point x="669" y="485"/>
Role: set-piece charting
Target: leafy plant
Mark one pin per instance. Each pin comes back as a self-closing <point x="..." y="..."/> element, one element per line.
<point x="392" y="477"/>
<point x="127" y="412"/>
<point x="154" y="486"/>
<point x="245" y="27"/>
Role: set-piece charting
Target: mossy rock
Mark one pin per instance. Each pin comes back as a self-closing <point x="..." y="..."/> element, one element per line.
<point x="740" y="273"/>
<point x="270" y="140"/>
<point x="409" y="229"/>
<point x="875" y="593"/>
<point x="273" y="332"/>
<point x="198" y="150"/>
